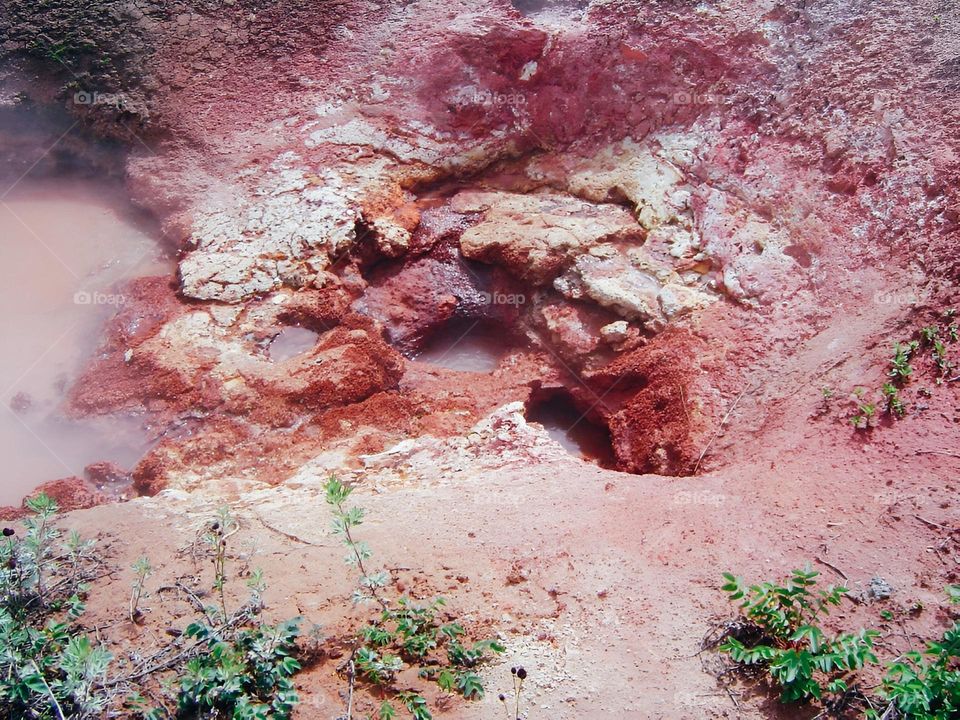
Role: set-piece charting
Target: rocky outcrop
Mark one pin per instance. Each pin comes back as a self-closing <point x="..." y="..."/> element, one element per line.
<point x="214" y="358"/>
<point x="593" y="185"/>
<point x="659" y="404"/>
<point x="536" y="236"/>
<point x="69" y="493"/>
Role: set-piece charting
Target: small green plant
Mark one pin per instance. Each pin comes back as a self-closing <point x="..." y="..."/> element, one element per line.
<point x="216" y="538"/>
<point x="926" y="685"/>
<point x="865" y="416"/>
<point x="826" y="395"/>
<point x="894" y="403"/>
<point x="237" y="667"/>
<point x="243" y="674"/>
<point x="900" y="368"/>
<point x="141" y="571"/>
<point x="782" y="634"/>
<point x="404" y="635"/>
<point x="940" y="358"/>
<point x="48" y="668"/>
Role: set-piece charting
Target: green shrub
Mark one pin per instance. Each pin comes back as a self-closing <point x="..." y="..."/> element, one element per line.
<point x="238" y="667"/>
<point x="48" y="668"/>
<point x="404" y="634"/>
<point x="894" y="404"/>
<point x="926" y="685"/>
<point x="244" y="674"/>
<point x="786" y="639"/>
<point x="780" y="634"/>
<point x="900" y="368"/>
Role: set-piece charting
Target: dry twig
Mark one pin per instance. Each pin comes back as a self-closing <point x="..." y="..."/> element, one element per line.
<point x="837" y="570"/>
<point x="719" y="429"/>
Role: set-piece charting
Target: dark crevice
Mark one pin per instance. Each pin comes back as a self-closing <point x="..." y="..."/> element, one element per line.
<point x="576" y="426"/>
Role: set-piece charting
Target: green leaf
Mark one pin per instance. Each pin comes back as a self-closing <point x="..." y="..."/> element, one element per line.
<point x="812" y="634"/>
<point x="452" y="630"/>
<point x="446" y="680"/>
<point x="337" y="492"/>
<point x="470" y="685"/>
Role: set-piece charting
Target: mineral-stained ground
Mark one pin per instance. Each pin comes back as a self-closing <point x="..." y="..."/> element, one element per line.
<point x="683" y="221"/>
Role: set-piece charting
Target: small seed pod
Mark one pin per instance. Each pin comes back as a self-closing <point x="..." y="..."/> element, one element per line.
<point x="521" y="673"/>
<point x="513" y="671"/>
<point x="503" y="698"/>
<point x="7" y="532"/>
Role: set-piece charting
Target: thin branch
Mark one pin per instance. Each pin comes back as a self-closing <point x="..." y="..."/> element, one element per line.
<point x="53" y="698"/>
<point x="719" y="429"/>
<point x="936" y="452"/>
<point x="359" y="558"/>
<point x="164" y="665"/>
<point x="931" y="523"/>
<point x="287" y="535"/>
<point x="837" y="570"/>
<point x="352" y="676"/>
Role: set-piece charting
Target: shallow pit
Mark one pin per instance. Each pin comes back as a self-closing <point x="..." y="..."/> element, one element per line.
<point x="291" y="342"/>
<point x="465" y="345"/>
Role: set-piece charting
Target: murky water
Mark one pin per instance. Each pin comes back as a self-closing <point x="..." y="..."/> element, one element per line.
<point x="291" y="341"/>
<point x="464" y="346"/>
<point x="559" y="8"/>
<point x="568" y="426"/>
<point x="66" y="247"/>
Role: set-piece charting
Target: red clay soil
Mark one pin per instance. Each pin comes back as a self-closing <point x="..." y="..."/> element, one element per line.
<point x="819" y="154"/>
<point x="644" y="400"/>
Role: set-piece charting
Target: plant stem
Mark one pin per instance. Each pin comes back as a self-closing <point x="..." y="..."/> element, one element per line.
<point x="356" y="554"/>
<point x="221" y="568"/>
<point x="135" y="600"/>
<point x="53" y="698"/>
<point x="220" y="564"/>
<point x="352" y="677"/>
<point x="41" y="551"/>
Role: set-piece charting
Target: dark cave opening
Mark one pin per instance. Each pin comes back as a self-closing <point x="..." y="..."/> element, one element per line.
<point x="576" y="428"/>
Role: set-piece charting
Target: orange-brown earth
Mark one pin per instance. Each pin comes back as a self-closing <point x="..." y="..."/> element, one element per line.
<point x="689" y="219"/>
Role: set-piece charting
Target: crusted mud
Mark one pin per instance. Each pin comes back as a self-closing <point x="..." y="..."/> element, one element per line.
<point x="684" y="220"/>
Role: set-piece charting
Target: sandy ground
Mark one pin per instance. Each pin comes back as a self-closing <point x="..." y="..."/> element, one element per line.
<point x="602" y="584"/>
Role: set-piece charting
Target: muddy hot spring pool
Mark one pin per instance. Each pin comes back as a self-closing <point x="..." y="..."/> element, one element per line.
<point x="66" y="249"/>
